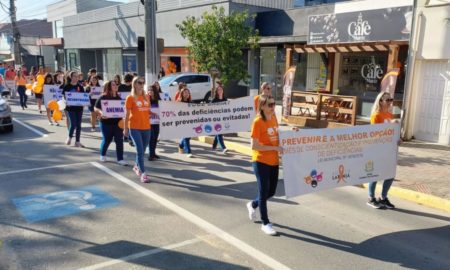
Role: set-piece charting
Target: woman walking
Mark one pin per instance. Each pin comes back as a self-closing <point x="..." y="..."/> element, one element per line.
<point x="381" y="113"/>
<point x="218" y="139"/>
<point x="185" y="145"/>
<point x="93" y="82"/>
<point x="21" y="82"/>
<point x="48" y="80"/>
<point x="265" y="160"/>
<point x="154" y="130"/>
<point x="75" y="113"/>
<point x="137" y="124"/>
<point x="38" y="88"/>
<point x="265" y="90"/>
<point x="110" y="126"/>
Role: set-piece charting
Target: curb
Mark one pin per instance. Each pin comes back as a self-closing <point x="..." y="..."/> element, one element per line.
<point x="406" y="194"/>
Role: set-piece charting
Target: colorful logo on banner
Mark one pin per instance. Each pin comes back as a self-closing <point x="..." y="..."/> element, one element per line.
<point x="313" y="178"/>
<point x="341" y="175"/>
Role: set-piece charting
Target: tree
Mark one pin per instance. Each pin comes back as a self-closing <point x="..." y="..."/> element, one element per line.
<point x="216" y="40"/>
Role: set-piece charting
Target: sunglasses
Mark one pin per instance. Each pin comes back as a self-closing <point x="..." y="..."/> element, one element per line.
<point x="271" y="105"/>
<point x="388" y="99"/>
<point x="140" y="82"/>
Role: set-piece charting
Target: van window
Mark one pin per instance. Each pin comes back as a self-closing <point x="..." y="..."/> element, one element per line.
<point x="201" y="79"/>
<point x="188" y="79"/>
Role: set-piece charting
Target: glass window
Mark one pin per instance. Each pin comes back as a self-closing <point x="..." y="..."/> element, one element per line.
<point x="59" y="29"/>
<point x="186" y="79"/>
<point x="201" y="79"/>
<point x="112" y="63"/>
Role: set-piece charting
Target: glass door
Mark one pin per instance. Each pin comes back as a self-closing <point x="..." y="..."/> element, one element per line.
<point x="268" y="67"/>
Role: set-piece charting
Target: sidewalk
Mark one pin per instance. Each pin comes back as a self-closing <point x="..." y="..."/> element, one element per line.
<point x="423" y="170"/>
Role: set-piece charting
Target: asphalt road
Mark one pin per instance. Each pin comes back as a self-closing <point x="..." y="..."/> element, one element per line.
<point x="191" y="216"/>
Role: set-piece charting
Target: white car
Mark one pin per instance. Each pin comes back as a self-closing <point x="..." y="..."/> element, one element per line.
<point x="6" y="123"/>
<point x="199" y="84"/>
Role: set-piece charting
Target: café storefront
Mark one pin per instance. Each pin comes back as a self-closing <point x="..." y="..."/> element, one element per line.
<point x="349" y="53"/>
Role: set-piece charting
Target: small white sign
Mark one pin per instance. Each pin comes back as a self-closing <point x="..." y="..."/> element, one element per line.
<point x="96" y="92"/>
<point x="113" y="108"/>
<point x="77" y="99"/>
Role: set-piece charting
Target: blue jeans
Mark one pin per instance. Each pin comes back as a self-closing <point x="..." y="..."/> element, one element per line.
<point x="110" y="131"/>
<point x="186" y="145"/>
<point x="267" y="178"/>
<point x="140" y="139"/>
<point x="154" y="133"/>
<point x="75" y="118"/>
<point x="386" y="186"/>
<point x="22" y="96"/>
<point x="218" y="139"/>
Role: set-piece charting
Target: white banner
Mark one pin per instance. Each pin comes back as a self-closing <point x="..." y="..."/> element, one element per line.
<point x="77" y="99"/>
<point x="185" y="120"/>
<point x="113" y="108"/>
<point x="96" y="92"/>
<point x="52" y="92"/>
<point x="10" y="84"/>
<point x="154" y="116"/>
<point x="318" y="159"/>
<point x="123" y="95"/>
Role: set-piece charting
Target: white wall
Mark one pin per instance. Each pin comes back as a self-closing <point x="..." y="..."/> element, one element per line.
<point x="434" y="29"/>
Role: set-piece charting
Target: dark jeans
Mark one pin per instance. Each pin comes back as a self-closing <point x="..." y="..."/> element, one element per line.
<point x="386" y="186"/>
<point x="186" y="145"/>
<point x="140" y="139"/>
<point x="267" y="178"/>
<point x="22" y="96"/>
<point x="75" y="118"/>
<point x="154" y="133"/>
<point x="218" y="140"/>
<point x="110" y="132"/>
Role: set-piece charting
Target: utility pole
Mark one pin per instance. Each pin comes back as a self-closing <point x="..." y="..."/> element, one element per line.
<point x="15" y="30"/>
<point x="151" y="55"/>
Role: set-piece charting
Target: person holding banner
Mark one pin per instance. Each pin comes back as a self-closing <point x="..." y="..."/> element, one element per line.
<point x="21" y="82"/>
<point x="93" y="96"/>
<point x="185" y="145"/>
<point x="154" y="130"/>
<point x="75" y="113"/>
<point x="218" y="139"/>
<point x="124" y="91"/>
<point x="48" y="80"/>
<point x="110" y="126"/>
<point x="265" y="90"/>
<point x="137" y="124"/>
<point x="381" y="113"/>
<point x="265" y="146"/>
<point x="181" y="86"/>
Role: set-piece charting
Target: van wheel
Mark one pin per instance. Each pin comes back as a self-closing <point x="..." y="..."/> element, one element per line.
<point x="208" y="98"/>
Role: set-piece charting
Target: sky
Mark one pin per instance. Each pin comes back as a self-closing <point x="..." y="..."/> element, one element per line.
<point x="31" y="9"/>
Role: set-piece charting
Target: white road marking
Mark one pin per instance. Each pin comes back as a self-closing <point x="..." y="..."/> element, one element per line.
<point x="43" y="168"/>
<point x="141" y="254"/>
<point x="210" y="228"/>
<point x="29" y="127"/>
<point x="21" y="140"/>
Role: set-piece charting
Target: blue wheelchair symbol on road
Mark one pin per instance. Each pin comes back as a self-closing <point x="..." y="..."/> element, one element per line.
<point x="62" y="203"/>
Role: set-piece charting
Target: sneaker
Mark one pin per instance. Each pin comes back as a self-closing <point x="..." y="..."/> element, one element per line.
<point x="122" y="162"/>
<point x="40" y="111"/>
<point x="130" y="142"/>
<point x="180" y="150"/>
<point x="78" y="144"/>
<point x="251" y="211"/>
<point x="190" y="155"/>
<point x="93" y="129"/>
<point x="69" y="141"/>
<point x="145" y="178"/>
<point x="225" y="151"/>
<point x="136" y="170"/>
<point x="386" y="203"/>
<point x="373" y="203"/>
<point x="102" y="158"/>
<point x="268" y="229"/>
<point x="50" y="123"/>
<point x="57" y="124"/>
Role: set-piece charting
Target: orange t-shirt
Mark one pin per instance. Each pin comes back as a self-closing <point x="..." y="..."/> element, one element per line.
<point x="380" y="117"/>
<point x="266" y="132"/>
<point x="140" y="112"/>
<point x="256" y="100"/>
<point x="22" y="81"/>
